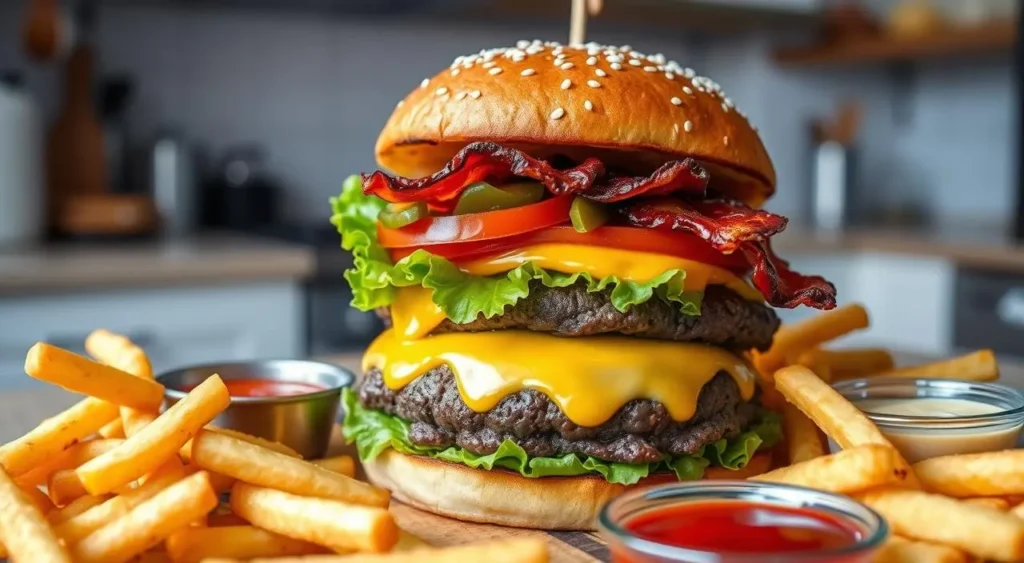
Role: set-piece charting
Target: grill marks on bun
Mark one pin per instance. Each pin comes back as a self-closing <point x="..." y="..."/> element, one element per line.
<point x="543" y="96"/>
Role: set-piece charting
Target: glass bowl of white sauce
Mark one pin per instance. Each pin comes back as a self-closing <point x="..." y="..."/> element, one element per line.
<point x="927" y="418"/>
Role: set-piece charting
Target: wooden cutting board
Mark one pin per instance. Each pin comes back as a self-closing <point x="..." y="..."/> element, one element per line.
<point x="563" y="547"/>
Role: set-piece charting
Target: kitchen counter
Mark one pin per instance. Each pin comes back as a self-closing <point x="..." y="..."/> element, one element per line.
<point x="972" y="245"/>
<point x="20" y="411"/>
<point x="205" y="259"/>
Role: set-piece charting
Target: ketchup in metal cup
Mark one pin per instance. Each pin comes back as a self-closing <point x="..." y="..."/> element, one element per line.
<point x="267" y="388"/>
<point x="739" y="521"/>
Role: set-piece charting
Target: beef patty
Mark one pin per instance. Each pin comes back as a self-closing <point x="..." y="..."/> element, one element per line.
<point x="726" y="319"/>
<point x="640" y="432"/>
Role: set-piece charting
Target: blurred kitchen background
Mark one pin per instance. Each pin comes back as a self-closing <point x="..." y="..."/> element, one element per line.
<point x="165" y="165"/>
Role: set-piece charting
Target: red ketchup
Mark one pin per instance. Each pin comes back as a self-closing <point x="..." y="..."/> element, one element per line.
<point x="743" y="530"/>
<point x="268" y="388"/>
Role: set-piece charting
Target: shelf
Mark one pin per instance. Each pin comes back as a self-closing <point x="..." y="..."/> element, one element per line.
<point x="988" y="38"/>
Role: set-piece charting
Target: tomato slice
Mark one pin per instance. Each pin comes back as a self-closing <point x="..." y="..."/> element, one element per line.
<point x="655" y="241"/>
<point x="476" y="227"/>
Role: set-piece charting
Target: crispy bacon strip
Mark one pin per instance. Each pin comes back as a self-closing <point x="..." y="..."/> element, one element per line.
<point x="724" y="224"/>
<point x="476" y="162"/>
<point x="686" y="176"/>
<point x="729" y="226"/>
<point x="493" y="162"/>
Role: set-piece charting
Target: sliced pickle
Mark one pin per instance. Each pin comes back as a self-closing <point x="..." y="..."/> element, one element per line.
<point x="481" y="196"/>
<point x="587" y="215"/>
<point x="398" y="215"/>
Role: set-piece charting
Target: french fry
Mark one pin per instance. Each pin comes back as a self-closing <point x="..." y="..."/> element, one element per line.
<point x="519" y="550"/>
<point x="82" y="375"/>
<point x="339" y="464"/>
<point x="262" y="467"/>
<point x="848" y="364"/>
<point x="221" y="483"/>
<point x="153" y="557"/>
<point x="1018" y="511"/>
<point x="70" y="458"/>
<point x="24" y="532"/>
<point x="149" y="523"/>
<point x="38" y="498"/>
<point x="816" y="364"/>
<point x="793" y="339"/>
<point x="991" y="502"/>
<point x="116" y="350"/>
<point x="902" y="550"/>
<point x="978" y="530"/>
<point x="974" y="475"/>
<point x="191" y="545"/>
<point x="55" y="435"/>
<point x="113" y="429"/>
<point x="186" y="450"/>
<point x="78" y="506"/>
<point x="849" y="471"/>
<point x="77" y="527"/>
<point x="330" y="523"/>
<point x="803" y="439"/>
<point x="976" y="366"/>
<point x="150" y="447"/>
<point x="836" y="416"/>
<point x="222" y="519"/>
<point x="64" y="486"/>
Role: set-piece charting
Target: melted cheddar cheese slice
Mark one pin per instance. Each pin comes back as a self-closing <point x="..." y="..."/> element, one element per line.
<point x="588" y="378"/>
<point x="414" y="314"/>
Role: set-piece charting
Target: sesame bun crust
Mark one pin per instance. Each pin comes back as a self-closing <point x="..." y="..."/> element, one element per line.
<point x="506" y="498"/>
<point x="631" y="110"/>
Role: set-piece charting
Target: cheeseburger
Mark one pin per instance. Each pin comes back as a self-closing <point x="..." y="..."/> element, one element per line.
<point x="568" y="247"/>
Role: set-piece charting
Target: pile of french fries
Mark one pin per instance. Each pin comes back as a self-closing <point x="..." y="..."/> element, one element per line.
<point x="112" y="479"/>
<point x="948" y="509"/>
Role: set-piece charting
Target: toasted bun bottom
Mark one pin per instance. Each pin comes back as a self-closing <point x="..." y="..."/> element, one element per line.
<point x="507" y="498"/>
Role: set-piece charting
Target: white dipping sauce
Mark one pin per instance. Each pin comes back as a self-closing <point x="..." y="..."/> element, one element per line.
<point x="923" y="440"/>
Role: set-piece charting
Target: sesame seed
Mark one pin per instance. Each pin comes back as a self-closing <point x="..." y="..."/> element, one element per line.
<point x="592" y="61"/>
<point x="567" y="66"/>
<point x="424" y="83"/>
<point x="616" y="66"/>
<point x="475" y="94"/>
<point x="557" y="114"/>
<point x="441" y="91"/>
<point x="400" y="103"/>
<point x="725" y="108"/>
<point x="670" y="76"/>
<point x="489" y="64"/>
<point x="522" y="43"/>
<point x="635" y="62"/>
<point x="593" y="84"/>
<point x="588" y="105"/>
<point x="726" y="140"/>
<point x="688" y="126"/>
<point x="566" y="84"/>
<point x="528" y="72"/>
<point x="676" y="101"/>
<point x="494" y="71"/>
<point x="455" y="72"/>
<point x="460" y="96"/>
<point x="687" y="90"/>
<point x="651" y="68"/>
<point x="600" y="72"/>
<point x="518" y="58"/>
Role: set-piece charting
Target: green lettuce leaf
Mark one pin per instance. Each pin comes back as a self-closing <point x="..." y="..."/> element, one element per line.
<point x="463" y="297"/>
<point x="375" y="431"/>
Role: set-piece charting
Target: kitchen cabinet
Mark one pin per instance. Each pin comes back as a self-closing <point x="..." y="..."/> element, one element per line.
<point x="910" y="298"/>
<point x="176" y="325"/>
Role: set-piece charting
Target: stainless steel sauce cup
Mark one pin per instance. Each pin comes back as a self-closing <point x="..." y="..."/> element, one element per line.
<point x="301" y="422"/>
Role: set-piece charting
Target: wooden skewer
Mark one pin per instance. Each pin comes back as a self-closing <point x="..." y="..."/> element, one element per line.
<point x="578" y="24"/>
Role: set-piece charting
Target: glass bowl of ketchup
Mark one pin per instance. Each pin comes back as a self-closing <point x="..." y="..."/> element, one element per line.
<point x="739" y="522"/>
<point x="294" y="402"/>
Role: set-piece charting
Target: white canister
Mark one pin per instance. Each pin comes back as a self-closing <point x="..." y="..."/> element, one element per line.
<point x="21" y="164"/>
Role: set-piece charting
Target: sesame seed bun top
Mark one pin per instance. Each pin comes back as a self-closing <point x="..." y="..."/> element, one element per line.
<point x="633" y="111"/>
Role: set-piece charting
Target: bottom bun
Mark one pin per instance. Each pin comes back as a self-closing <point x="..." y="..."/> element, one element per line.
<point x="507" y="498"/>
